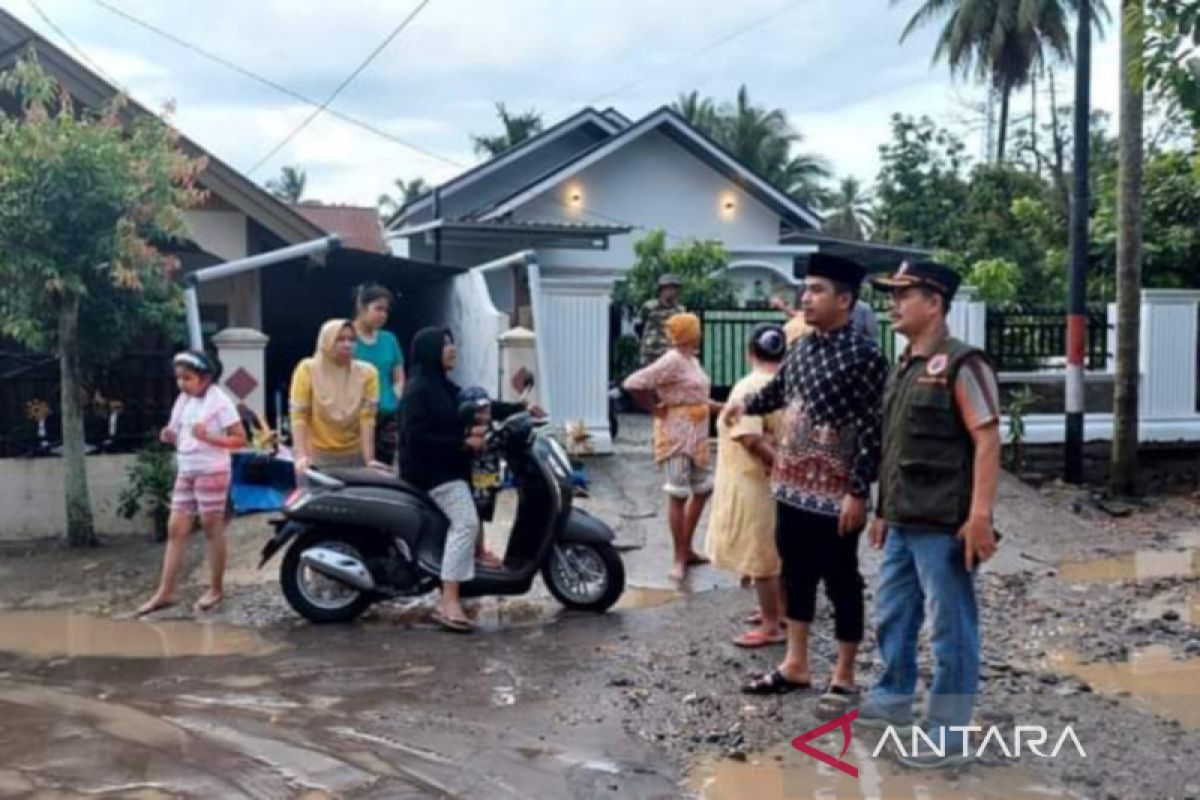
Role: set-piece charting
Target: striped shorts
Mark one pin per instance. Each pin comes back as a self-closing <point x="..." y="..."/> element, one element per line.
<point x="202" y="494"/>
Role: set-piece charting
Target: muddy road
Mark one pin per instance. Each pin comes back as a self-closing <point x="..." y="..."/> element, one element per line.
<point x="1089" y="622"/>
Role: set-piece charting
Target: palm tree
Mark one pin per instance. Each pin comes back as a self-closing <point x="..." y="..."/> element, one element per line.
<point x="406" y="192"/>
<point x="1000" y="41"/>
<point x="289" y="186"/>
<point x="1129" y="252"/>
<point x="763" y="139"/>
<point x="849" y="212"/>
<point x="517" y="128"/>
<point x="699" y="111"/>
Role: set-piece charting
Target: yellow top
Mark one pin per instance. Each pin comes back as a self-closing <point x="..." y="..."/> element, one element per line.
<point x="326" y="435"/>
<point x="741" y="526"/>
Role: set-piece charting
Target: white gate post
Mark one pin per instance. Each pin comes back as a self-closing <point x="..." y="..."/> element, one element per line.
<point x="243" y="355"/>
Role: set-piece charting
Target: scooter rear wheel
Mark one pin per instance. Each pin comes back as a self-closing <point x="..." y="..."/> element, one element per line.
<point x="306" y="592"/>
<point x="592" y="579"/>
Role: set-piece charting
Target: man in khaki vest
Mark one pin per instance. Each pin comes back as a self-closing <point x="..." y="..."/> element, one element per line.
<point x="937" y="488"/>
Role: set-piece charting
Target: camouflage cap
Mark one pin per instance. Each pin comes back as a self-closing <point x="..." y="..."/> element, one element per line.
<point x="669" y="279"/>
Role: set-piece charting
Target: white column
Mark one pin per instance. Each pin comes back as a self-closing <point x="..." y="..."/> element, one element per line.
<point x="242" y="352"/>
<point x="570" y="308"/>
<point x="518" y="350"/>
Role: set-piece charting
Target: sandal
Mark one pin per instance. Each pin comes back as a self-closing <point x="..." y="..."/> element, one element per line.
<point x="775" y="683"/>
<point x="208" y="603"/>
<point x="754" y="618"/>
<point x="453" y="625"/>
<point x="835" y="701"/>
<point x="752" y="639"/>
<point x="150" y="608"/>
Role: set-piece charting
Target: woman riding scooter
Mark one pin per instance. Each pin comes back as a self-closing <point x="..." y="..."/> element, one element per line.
<point x="435" y="457"/>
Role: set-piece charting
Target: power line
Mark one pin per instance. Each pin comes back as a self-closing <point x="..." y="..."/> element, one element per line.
<point x="715" y="43"/>
<point x="272" y="84"/>
<point x="341" y="86"/>
<point x="71" y="44"/>
<point x="285" y="90"/>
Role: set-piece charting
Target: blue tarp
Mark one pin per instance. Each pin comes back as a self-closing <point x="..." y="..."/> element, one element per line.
<point x="261" y="482"/>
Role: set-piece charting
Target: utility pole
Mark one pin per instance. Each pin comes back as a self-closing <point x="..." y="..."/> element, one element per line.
<point x="1076" y="287"/>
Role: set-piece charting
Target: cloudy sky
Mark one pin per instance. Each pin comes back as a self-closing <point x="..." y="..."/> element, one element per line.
<point x="834" y="65"/>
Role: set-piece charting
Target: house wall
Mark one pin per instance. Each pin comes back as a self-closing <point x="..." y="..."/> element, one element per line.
<point x="222" y="233"/>
<point x="654" y="183"/>
<point x="225" y="235"/>
<point x="31" y="494"/>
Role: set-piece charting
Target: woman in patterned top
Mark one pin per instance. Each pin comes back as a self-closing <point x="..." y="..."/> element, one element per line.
<point x="676" y="389"/>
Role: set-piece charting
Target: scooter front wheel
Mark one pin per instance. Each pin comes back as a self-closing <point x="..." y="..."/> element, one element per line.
<point x="585" y="577"/>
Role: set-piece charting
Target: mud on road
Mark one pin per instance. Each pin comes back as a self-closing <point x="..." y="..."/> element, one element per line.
<point x="1088" y="622"/>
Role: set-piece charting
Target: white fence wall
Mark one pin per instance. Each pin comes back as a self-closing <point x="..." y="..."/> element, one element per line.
<point x="1167" y="401"/>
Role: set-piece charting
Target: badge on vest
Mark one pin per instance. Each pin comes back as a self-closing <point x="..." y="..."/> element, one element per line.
<point x="937" y="364"/>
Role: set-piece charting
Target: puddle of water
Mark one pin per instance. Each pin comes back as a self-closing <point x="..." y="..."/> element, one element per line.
<point x="783" y="773"/>
<point x="636" y="597"/>
<point x="121" y="722"/>
<point x="54" y="634"/>
<point x="1157" y="682"/>
<point x="13" y="783"/>
<point x="312" y="769"/>
<point x="248" y="702"/>
<point x="1186" y="606"/>
<point x="1143" y="565"/>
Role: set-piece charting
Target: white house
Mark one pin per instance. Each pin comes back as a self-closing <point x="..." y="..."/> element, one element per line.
<point x="571" y="203"/>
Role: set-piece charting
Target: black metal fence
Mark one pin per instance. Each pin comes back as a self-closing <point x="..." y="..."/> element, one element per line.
<point x="124" y="403"/>
<point x="1032" y="339"/>
<point x="1017" y="340"/>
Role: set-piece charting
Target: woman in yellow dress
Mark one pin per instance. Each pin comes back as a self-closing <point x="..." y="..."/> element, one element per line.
<point x="741" y="530"/>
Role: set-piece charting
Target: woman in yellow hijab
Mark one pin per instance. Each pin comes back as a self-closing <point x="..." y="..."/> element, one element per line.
<point x="332" y="402"/>
<point x="676" y="390"/>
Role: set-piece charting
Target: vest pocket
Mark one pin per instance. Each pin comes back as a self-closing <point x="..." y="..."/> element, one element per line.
<point x="930" y="492"/>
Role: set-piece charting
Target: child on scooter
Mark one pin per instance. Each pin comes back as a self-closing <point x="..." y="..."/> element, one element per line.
<point x="204" y="428"/>
<point x="485" y="472"/>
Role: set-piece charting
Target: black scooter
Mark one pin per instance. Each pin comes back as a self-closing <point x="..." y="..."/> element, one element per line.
<point x="360" y="536"/>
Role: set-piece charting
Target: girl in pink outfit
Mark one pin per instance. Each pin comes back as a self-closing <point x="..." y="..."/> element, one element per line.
<point x="204" y="428"/>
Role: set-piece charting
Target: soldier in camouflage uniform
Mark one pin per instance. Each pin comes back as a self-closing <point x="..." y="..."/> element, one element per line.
<point x="654" y="316"/>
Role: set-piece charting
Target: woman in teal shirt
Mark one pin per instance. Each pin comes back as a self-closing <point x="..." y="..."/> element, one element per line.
<point x="379" y="347"/>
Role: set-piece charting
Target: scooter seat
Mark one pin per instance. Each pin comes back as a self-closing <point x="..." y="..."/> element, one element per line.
<point x="364" y="476"/>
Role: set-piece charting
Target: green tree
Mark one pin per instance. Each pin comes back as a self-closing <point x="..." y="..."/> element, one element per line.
<point x="84" y="198"/>
<point x="763" y="139"/>
<point x="698" y="110"/>
<point x="406" y="192"/>
<point x="921" y="189"/>
<point x="517" y="128"/>
<point x="1002" y="42"/>
<point x="289" y="186"/>
<point x="1171" y="58"/>
<point x="849" y="213"/>
<point x="700" y="265"/>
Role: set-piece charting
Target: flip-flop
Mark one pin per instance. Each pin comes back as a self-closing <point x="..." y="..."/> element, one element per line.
<point x="200" y="605"/>
<point x="752" y="639"/>
<point x="150" y="609"/>
<point x="835" y="700"/>
<point x="453" y="625"/>
<point x="775" y="683"/>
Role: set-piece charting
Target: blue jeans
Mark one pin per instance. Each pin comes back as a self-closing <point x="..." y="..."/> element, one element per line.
<point x="918" y="566"/>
